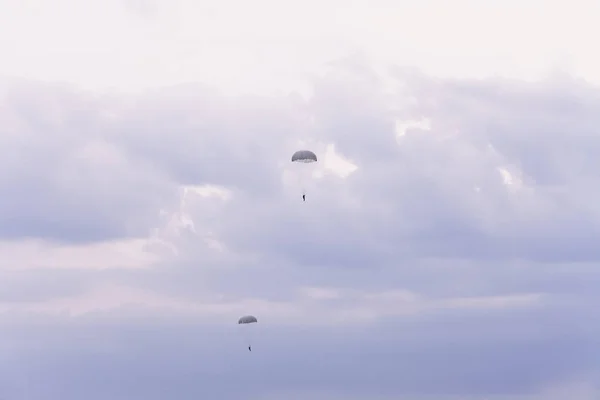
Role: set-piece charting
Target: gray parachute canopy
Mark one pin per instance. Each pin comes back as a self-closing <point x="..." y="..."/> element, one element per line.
<point x="248" y="319"/>
<point x="304" y="156"/>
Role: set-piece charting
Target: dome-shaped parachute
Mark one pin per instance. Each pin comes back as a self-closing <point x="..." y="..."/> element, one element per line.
<point x="248" y="319"/>
<point x="247" y="323"/>
<point x="304" y="172"/>
<point x="304" y="156"/>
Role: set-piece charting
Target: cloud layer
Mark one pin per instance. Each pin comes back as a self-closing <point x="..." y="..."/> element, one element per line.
<point x="446" y="247"/>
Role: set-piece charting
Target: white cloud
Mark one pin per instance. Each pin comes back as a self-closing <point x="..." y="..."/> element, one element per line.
<point x="337" y="163"/>
<point x="263" y="46"/>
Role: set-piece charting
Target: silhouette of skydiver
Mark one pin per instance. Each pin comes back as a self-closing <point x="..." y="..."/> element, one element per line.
<point x="249" y="348"/>
<point x="303" y="197"/>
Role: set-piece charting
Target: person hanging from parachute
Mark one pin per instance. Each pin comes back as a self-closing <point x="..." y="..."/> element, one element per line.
<point x="245" y="320"/>
<point x="304" y="157"/>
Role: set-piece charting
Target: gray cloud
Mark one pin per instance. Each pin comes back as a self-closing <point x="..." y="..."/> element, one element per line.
<point x="62" y="179"/>
<point x="427" y="213"/>
<point x="145" y="355"/>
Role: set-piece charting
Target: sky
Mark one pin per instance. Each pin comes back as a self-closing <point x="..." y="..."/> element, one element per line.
<point x="447" y="248"/>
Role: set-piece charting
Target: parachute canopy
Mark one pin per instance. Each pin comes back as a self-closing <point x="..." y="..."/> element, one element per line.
<point x="304" y="156"/>
<point x="248" y="319"/>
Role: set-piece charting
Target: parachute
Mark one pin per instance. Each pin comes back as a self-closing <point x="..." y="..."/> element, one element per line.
<point x="304" y="172"/>
<point x="304" y="156"/>
<point x="247" y="322"/>
<point x="248" y="319"/>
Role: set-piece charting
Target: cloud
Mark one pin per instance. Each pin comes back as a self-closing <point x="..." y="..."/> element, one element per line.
<point x="62" y="179"/>
<point x="445" y="247"/>
<point x="266" y="46"/>
<point x="143" y="8"/>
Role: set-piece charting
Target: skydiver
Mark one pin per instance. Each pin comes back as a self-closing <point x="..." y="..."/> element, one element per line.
<point x="249" y="348"/>
<point x="303" y="197"/>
